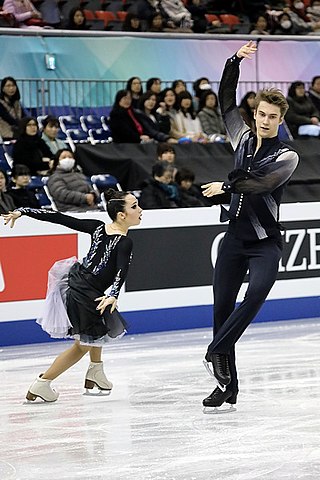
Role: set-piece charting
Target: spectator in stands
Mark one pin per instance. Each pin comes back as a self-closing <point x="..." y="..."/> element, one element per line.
<point x="261" y="26"/>
<point x="11" y="111"/>
<point x="166" y="153"/>
<point x="156" y="23"/>
<point x="177" y="13"/>
<point x="68" y="187"/>
<point x="77" y="20"/>
<point x="6" y="202"/>
<point x="50" y="131"/>
<point x="145" y="9"/>
<point x="298" y="15"/>
<point x="210" y="116"/>
<point x="50" y="12"/>
<point x="199" y="86"/>
<point x="24" y="12"/>
<point x="313" y="11"/>
<point x="301" y="109"/>
<point x="285" y="26"/>
<point x="155" y="125"/>
<point x="19" y="192"/>
<point x="30" y="149"/>
<point x="159" y="191"/>
<point x="154" y="85"/>
<point x="314" y="92"/>
<point x="135" y="88"/>
<point x="178" y="86"/>
<point x="247" y="108"/>
<point x="198" y="12"/>
<point x="124" y="124"/>
<point x="167" y="105"/>
<point x="189" y="194"/>
<point x="131" y="23"/>
<point x="185" y="123"/>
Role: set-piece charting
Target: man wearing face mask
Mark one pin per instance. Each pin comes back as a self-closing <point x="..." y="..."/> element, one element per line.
<point x="68" y="187"/>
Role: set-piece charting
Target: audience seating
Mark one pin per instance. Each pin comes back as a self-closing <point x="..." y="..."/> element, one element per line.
<point x="38" y="186"/>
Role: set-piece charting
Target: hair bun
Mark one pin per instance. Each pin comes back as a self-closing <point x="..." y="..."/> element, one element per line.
<point x="110" y="193"/>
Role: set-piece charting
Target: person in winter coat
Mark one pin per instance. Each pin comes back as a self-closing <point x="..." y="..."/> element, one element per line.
<point x="301" y="109"/>
<point x="159" y="191"/>
<point x="30" y="149"/>
<point x="69" y="188"/>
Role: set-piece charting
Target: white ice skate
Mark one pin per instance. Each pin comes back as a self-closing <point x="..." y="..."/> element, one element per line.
<point x="95" y="377"/>
<point x="215" y="402"/>
<point x="41" y="388"/>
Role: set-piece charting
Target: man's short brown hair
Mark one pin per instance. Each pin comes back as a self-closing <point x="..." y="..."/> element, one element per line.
<point x="274" y="97"/>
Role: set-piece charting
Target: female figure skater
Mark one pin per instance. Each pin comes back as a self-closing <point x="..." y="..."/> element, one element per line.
<point x="90" y="316"/>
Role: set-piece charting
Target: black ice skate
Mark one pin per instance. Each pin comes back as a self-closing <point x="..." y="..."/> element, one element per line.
<point x="218" y="397"/>
<point x="220" y="364"/>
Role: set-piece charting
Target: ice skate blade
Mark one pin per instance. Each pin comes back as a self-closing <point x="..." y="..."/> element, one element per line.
<point x="99" y="393"/>
<point x="218" y="410"/>
<point x="207" y="367"/>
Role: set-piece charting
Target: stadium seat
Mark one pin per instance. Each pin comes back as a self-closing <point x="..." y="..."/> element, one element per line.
<point x="230" y="20"/>
<point x="38" y="186"/>
<point x="121" y="14"/>
<point x="89" y="14"/>
<point x="211" y="17"/>
<point x="106" y="16"/>
<point x="99" y="135"/>
<point x="90" y="121"/>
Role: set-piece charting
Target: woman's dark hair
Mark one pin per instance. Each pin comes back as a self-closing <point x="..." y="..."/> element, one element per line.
<point x="56" y="157"/>
<point x="119" y="95"/>
<point x="19" y="169"/>
<point x="164" y="92"/>
<point x="129" y="83"/>
<point x="50" y="120"/>
<point x="151" y="81"/>
<point x="176" y="82"/>
<point x="181" y="96"/>
<point x="5" y="176"/>
<point x="203" y="98"/>
<point x="160" y="167"/>
<point x="244" y="103"/>
<point x="196" y="86"/>
<point x="14" y="97"/>
<point x="127" y="23"/>
<point x="71" y="23"/>
<point x="293" y="86"/>
<point x="184" y="174"/>
<point x="115" y="201"/>
<point x="23" y="125"/>
<point x="163" y="148"/>
<point x="146" y="96"/>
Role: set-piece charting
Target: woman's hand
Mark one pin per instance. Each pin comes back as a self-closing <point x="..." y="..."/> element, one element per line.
<point x="11" y="217"/>
<point x="211" y="189"/>
<point x="104" y="302"/>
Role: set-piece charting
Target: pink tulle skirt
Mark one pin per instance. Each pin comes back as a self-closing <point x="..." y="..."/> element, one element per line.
<point x="55" y="320"/>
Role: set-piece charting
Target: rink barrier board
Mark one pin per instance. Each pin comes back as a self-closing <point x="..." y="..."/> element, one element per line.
<point x="147" y="321"/>
<point x="171" y="290"/>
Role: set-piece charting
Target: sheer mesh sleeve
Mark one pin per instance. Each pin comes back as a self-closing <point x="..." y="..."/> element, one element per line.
<point x="265" y="179"/>
<point x="85" y="225"/>
<point x="232" y="118"/>
<point x="124" y="254"/>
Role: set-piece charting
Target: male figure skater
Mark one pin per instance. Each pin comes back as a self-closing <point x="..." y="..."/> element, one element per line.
<point x="263" y="165"/>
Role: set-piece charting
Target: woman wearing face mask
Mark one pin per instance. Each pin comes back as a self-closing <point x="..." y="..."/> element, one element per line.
<point x="297" y="15"/>
<point x="286" y="26"/>
<point x="68" y="187"/>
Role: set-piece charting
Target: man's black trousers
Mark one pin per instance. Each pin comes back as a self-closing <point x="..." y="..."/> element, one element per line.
<point x="235" y="258"/>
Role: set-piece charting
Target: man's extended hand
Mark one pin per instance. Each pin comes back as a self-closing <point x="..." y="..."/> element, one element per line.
<point x="247" y="50"/>
<point x="211" y="189"/>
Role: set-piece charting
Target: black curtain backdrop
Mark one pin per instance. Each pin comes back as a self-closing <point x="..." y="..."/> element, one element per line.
<point x="131" y="164"/>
